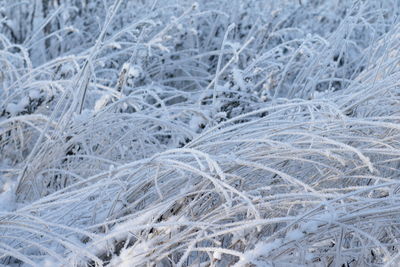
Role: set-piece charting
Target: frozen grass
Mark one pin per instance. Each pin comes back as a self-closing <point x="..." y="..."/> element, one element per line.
<point x="223" y="133"/>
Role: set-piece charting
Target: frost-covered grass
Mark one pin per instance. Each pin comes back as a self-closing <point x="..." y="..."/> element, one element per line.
<point x="218" y="133"/>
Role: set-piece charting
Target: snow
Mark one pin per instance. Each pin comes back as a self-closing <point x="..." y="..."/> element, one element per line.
<point x="7" y="196"/>
<point x="102" y="102"/>
<point x="217" y="255"/>
<point x="17" y="108"/>
<point x="261" y="249"/>
<point x="132" y="256"/>
<point x="115" y="45"/>
<point x="238" y="78"/>
<point x="294" y="235"/>
<point x="34" y="94"/>
<point x="218" y="133"/>
<point x="14" y="109"/>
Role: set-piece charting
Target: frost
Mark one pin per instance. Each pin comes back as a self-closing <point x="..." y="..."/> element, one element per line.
<point x="134" y="71"/>
<point x="195" y="122"/>
<point x="294" y="235"/>
<point x="218" y="133"/>
<point x="115" y="45"/>
<point x="102" y="102"/>
<point x="14" y="109"/>
<point x="238" y="78"/>
<point x="261" y="249"/>
<point x="132" y="256"/>
<point x="217" y="255"/>
<point x="7" y="196"/>
<point x="34" y="94"/>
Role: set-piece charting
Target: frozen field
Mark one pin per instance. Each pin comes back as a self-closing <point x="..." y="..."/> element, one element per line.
<point x="217" y="133"/>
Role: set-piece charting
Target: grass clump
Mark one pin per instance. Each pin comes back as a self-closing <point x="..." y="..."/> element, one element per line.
<point x="219" y="133"/>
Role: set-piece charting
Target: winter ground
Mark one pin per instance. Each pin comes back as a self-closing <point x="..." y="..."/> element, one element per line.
<point x="217" y="133"/>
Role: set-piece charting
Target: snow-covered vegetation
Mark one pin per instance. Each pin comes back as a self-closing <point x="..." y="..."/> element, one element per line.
<point x="217" y="133"/>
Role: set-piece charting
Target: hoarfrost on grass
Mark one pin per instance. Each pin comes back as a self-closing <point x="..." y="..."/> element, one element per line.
<point x="217" y="133"/>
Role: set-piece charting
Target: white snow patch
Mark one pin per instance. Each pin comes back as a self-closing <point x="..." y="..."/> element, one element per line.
<point x="7" y="197"/>
<point x="294" y="235"/>
<point x="115" y="45"/>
